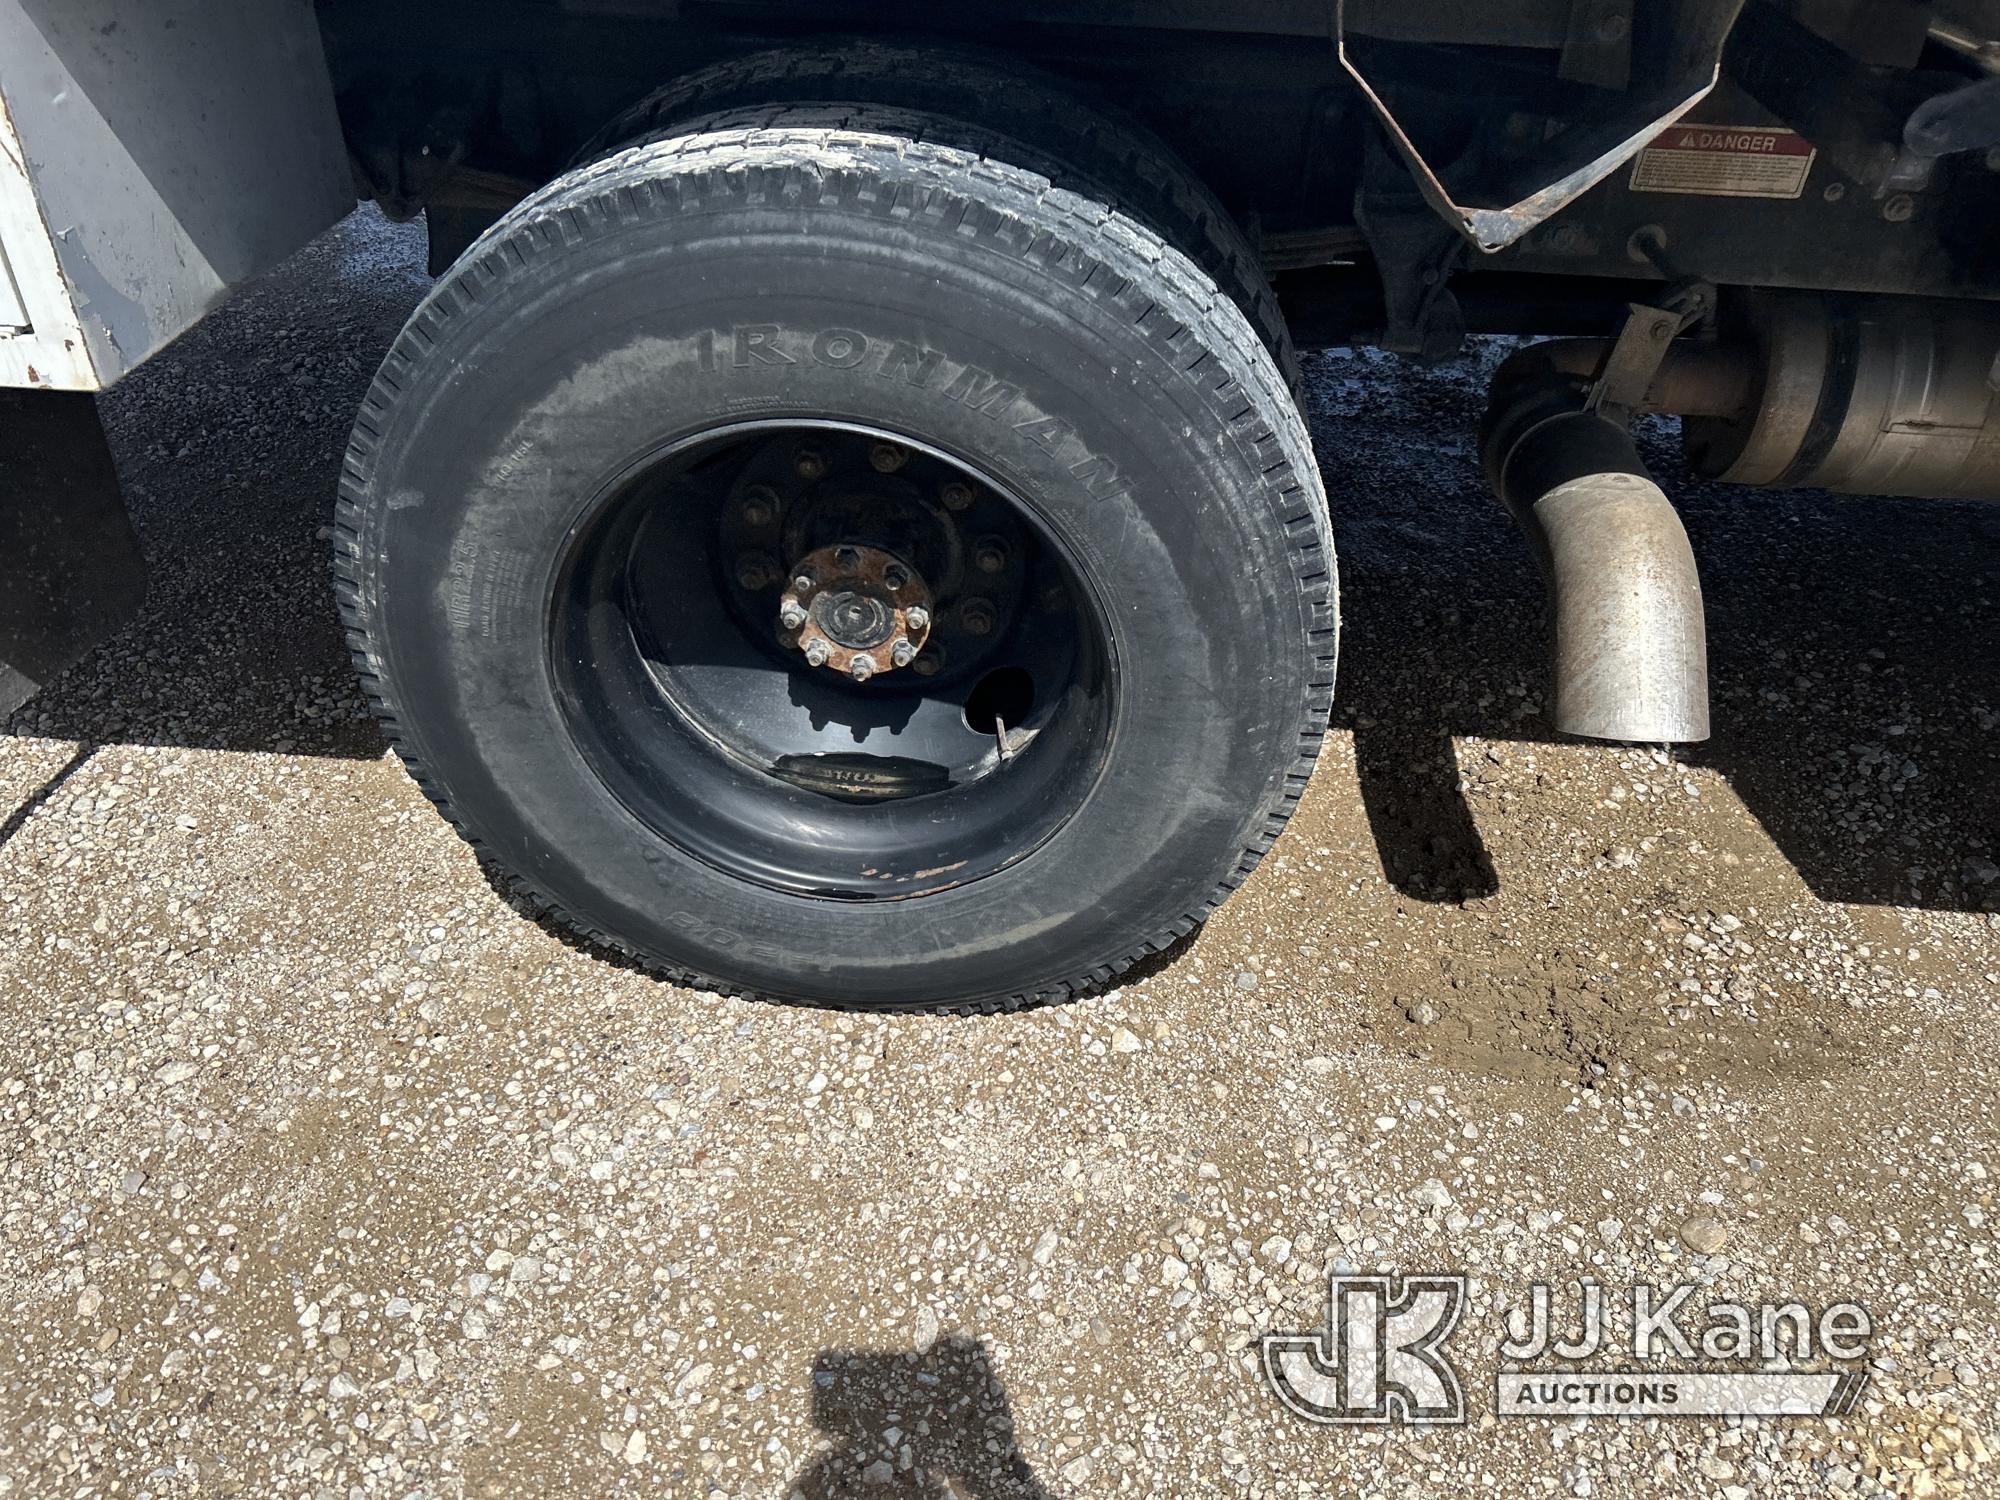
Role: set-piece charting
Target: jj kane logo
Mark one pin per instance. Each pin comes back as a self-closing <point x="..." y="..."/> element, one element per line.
<point x="1381" y="1357"/>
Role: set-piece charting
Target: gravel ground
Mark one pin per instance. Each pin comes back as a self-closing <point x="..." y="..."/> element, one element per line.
<point x="329" y="1173"/>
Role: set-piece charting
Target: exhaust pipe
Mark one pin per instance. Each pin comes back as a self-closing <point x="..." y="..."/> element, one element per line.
<point x="1886" y="395"/>
<point x="1631" y="655"/>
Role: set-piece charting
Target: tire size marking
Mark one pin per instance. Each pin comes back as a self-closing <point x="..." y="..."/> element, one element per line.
<point x="482" y="585"/>
<point x="748" y="345"/>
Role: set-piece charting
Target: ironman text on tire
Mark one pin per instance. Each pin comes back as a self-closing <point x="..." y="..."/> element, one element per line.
<point x="842" y="568"/>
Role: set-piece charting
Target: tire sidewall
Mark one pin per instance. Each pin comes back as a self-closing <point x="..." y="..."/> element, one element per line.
<point x="573" y="356"/>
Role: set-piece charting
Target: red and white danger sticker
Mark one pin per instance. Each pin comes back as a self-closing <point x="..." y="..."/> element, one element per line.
<point x="1724" y="161"/>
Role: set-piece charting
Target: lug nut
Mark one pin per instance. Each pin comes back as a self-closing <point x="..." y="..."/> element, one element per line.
<point x="916" y="617"/>
<point x="895" y="576"/>
<point x="887" y="458"/>
<point x="791" y="614"/>
<point x="976" y="615"/>
<point x="816" y="652"/>
<point x="846" y="557"/>
<point x="902" y="653"/>
<point x="956" y="495"/>
<point x="989" y="554"/>
<point x="810" y="463"/>
<point x="861" y="669"/>
<point x="803" y="583"/>
<point x="760" y="506"/>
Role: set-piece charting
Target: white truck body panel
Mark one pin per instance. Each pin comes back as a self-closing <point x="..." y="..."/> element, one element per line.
<point x="153" y="154"/>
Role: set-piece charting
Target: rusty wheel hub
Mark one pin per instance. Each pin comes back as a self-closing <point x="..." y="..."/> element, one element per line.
<point x="856" y="610"/>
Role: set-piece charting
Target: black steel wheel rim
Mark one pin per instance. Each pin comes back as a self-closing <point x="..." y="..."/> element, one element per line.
<point x="687" y="694"/>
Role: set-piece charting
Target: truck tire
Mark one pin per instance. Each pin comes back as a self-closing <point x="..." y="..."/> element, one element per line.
<point x="991" y="105"/>
<point x="583" y="489"/>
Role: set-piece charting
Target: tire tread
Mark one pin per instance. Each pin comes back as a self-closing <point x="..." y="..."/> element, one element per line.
<point x="794" y="159"/>
<point x="1083" y="143"/>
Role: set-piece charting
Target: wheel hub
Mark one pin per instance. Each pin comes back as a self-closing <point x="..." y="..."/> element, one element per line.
<point x="857" y="621"/>
<point x="697" y="662"/>
<point x="856" y="610"/>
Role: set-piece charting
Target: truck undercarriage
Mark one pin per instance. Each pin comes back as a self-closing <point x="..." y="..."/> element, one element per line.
<point x="847" y="476"/>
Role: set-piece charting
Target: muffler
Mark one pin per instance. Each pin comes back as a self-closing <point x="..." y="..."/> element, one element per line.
<point x="1630" y="652"/>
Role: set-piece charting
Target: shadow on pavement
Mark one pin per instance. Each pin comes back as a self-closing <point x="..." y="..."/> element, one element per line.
<point x="18" y="818"/>
<point x="1854" y="655"/>
<point x="930" y="1423"/>
<point x="228" y="446"/>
